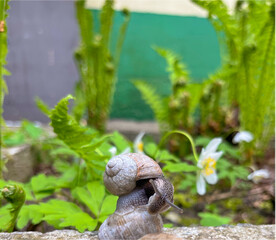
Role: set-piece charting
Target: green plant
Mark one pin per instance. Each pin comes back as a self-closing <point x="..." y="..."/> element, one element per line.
<point x="96" y="65"/>
<point x="193" y="107"/>
<point x="4" y="6"/>
<point x="247" y="39"/>
<point x="175" y="111"/>
<point x="80" y="199"/>
<point x="211" y="219"/>
<point x="15" y="195"/>
<point x="28" y="133"/>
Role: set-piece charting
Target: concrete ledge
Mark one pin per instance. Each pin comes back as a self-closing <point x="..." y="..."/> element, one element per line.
<point x="227" y="232"/>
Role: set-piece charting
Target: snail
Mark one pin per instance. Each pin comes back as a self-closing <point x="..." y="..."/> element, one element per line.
<point x="143" y="194"/>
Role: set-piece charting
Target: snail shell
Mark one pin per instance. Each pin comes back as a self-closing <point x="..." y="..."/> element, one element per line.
<point x="132" y="224"/>
<point x="139" y="182"/>
<point x="123" y="171"/>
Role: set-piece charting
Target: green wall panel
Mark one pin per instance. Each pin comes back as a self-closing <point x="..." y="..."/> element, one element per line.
<point x="193" y="38"/>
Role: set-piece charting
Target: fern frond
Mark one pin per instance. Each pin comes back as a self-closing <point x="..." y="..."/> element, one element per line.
<point x="43" y="107"/>
<point x="4" y="6"/>
<point x="106" y="19"/>
<point x="80" y="139"/>
<point x="155" y="102"/>
<point x="177" y="69"/>
<point x="85" y="20"/>
<point x="15" y="195"/>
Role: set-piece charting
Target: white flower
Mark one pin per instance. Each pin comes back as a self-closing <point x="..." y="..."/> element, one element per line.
<point x="207" y="164"/>
<point x="127" y="150"/>
<point x="138" y="144"/>
<point x="243" y="136"/>
<point x="113" y="151"/>
<point x="258" y="175"/>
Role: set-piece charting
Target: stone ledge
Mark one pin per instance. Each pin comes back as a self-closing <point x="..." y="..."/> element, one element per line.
<point x="227" y="232"/>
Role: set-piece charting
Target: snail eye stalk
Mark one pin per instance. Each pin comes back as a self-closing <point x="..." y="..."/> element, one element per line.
<point x="165" y="198"/>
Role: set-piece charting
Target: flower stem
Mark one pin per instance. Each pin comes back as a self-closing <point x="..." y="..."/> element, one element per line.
<point x="187" y="135"/>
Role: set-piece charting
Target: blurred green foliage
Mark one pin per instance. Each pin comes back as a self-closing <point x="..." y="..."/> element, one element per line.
<point x="240" y="95"/>
<point x="4" y="6"/>
<point x="211" y="219"/>
<point x="247" y="39"/>
<point x="74" y="195"/>
<point x="15" y="196"/>
<point x="175" y="111"/>
<point x="27" y="133"/>
<point x="97" y="67"/>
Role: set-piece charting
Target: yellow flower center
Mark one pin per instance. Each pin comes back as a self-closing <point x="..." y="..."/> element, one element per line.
<point x="209" y="166"/>
<point x="140" y="146"/>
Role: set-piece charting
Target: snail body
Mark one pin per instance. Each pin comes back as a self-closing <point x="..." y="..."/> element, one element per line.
<point x="143" y="194"/>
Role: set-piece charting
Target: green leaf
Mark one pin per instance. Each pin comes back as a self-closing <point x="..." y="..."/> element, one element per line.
<point x="211" y="219"/>
<point x="81" y="221"/>
<point x="180" y="167"/>
<point x="109" y="205"/>
<point x="79" y="139"/>
<point x="43" y="107"/>
<point x="194" y="90"/>
<point x="150" y="148"/>
<point x="165" y="157"/>
<point x="14" y="138"/>
<point x="189" y="181"/>
<point x="43" y="186"/>
<point x="119" y="141"/>
<point x="4" y="217"/>
<point x="63" y="151"/>
<point x="176" y="68"/>
<point x="29" y="213"/>
<point x="168" y="225"/>
<point x="32" y="131"/>
<point x="202" y="141"/>
<point x="63" y="214"/>
<point x="92" y="196"/>
<point x="154" y="100"/>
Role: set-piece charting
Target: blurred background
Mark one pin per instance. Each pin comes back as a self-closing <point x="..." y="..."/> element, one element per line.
<point x="45" y="35"/>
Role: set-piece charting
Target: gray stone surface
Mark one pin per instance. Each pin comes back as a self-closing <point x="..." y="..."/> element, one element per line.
<point x="19" y="162"/>
<point x="241" y="232"/>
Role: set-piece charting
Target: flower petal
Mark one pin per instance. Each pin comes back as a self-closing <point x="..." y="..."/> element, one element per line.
<point x="216" y="155"/>
<point x="138" y="138"/>
<point x="213" y="145"/>
<point x="127" y="150"/>
<point x="262" y="173"/>
<point x="212" y="178"/>
<point x="243" y="136"/>
<point x="200" y="185"/>
<point x="113" y="151"/>
<point x="202" y="156"/>
<point x="137" y="141"/>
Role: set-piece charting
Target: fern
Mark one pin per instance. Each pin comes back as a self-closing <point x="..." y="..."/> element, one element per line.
<point x="4" y="6"/>
<point x="176" y="110"/>
<point x="177" y="69"/>
<point x="97" y="67"/>
<point x="248" y="35"/>
<point x="155" y="102"/>
<point x="42" y="106"/>
<point x="15" y="195"/>
<point x="82" y="140"/>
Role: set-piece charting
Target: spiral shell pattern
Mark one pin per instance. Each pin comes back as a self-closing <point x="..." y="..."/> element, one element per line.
<point x="123" y="171"/>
